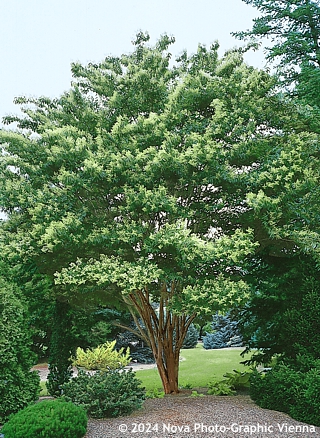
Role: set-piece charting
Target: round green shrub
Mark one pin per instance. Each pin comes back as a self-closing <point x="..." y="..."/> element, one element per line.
<point x="289" y="390"/>
<point x="105" y="394"/>
<point x="276" y="389"/>
<point x="47" y="419"/>
<point x="308" y="406"/>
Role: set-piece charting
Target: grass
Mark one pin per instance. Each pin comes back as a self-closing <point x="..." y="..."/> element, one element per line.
<point x="198" y="367"/>
<point x="44" y="390"/>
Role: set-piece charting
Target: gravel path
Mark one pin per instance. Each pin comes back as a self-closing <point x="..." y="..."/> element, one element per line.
<point x="208" y="416"/>
<point x="43" y="370"/>
<point x="179" y="416"/>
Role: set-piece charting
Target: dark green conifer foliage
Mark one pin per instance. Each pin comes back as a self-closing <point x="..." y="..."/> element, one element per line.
<point x="18" y="386"/>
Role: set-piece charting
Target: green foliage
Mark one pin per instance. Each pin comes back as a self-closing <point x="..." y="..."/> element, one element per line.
<point x="289" y="390"/>
<point x="232" y="381"/>
<point x="61" y="349"/>
<point x="196" y="394"/>
<point x="238" y="379"/>
<point x="219" y="151"/>
<point x="276" y="389"/>
<point x="173" y="123"/>
<point x="282" y="318"/>
<point x="105" y="394"/>
<point x="308" y="406"/>
<point x="154" y="393"/>
<point x="186" y="386"/>
<point x="220" y="387"/>
<point x="49" y="419"/>
<point x="104" y="357"/>
<point x="301" y="324"/>
<point x="285" y="196"/>
<point x="18" y="386"/>
<point x="293" y="27"/>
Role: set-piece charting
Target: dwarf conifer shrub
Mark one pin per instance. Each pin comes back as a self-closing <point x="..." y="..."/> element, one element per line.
<point x="47" y="419"/>
<point x="104" y="357"/>
<point x="105" y="394"/>
<point x="308" y="407"/>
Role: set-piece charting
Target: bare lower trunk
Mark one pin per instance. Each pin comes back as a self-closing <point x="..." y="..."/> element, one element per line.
<point x="169" y="371"/>
<point x="164" y="332"/>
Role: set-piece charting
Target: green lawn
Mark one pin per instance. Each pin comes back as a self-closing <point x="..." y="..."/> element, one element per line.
<point x="44" y="390"/>
<point x="198" y="367"/>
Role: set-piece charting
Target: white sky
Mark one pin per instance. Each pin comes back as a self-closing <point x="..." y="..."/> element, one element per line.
<point x="40" y="38"/>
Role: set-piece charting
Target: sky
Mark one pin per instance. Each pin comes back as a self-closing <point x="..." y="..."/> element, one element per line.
<point x="39" y="39"/>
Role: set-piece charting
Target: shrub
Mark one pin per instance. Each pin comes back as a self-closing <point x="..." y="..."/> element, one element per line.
<point x="105" y="394"/>
<point x="277" y="389"/>
<point x="238" y="379"/>
<point x="308" y="407"/>
<point x="104" y="357"/>
<point x="225" y="333"/>
<point x="18" y="386"/>
<point x="191" y="339"/>
<point x="49" y="419"/>
<point x="288" y="390"/>
<point x="214" y="340"/>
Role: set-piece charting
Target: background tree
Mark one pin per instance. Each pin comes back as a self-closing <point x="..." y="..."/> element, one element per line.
<point x="294" y="29"/>
<point x="285" y="196"/>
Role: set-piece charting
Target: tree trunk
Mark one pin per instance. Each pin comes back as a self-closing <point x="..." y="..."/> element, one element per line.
<point x="165" y="333"/>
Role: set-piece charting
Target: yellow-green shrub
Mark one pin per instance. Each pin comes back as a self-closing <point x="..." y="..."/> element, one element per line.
<point x="104" y="357"/>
